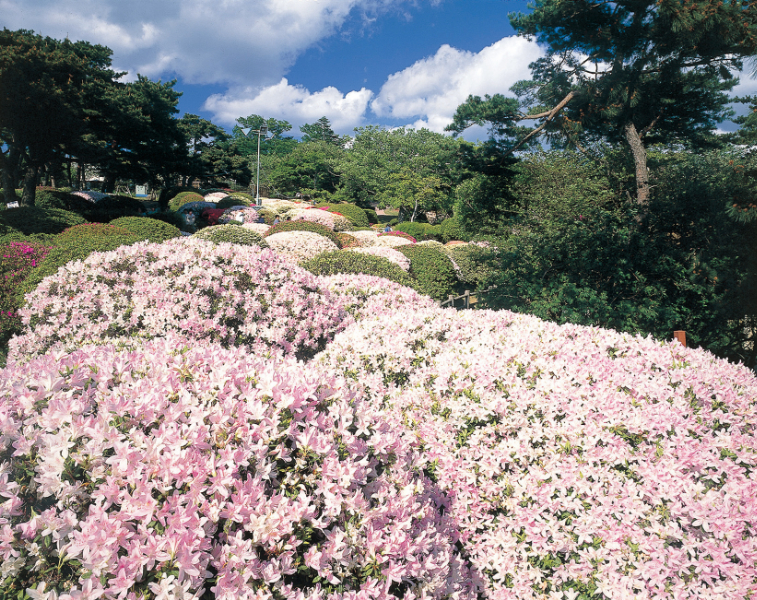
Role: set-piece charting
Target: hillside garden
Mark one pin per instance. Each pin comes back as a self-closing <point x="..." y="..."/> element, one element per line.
<point x="205" y="398"/>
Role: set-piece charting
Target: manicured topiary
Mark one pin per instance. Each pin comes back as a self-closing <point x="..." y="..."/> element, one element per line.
<point x="230" y="201"/>
<point x="12" y="235"/>
<point x="420" y="231"/>
<point x="86" y="230"/>
<point x="268" y="216"/>
<point x="432" y="270"/>
<point x="70" y="250"/>
<point x="334" y="263"/>
<point x="149" y="229"/>
<point x="305" y="226"/>
<point x="183" y="198"/>
<point x="32" y="219"/>
<point x="233" y="234"/>
<point x="355" y="214"/>
<point x="371" y="215"/>
<point x="451" y="230"/>
<point x="347" y="241"/>
<point x="169" y="217"/>
<point x="113" y="207"/>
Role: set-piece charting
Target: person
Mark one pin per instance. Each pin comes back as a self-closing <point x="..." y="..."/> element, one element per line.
<point x="388" y="228"/>
<point x="276" y="221"/>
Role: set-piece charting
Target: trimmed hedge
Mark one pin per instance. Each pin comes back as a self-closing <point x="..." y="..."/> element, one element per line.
<point x="354" y="214"/>
<point x="34" y="238"/>
<point x="153" y="230"/>
<point x="305" y="226"/>
<point x="234" y="234"/>
<point x="451" y="230"/>
<point x="230" y="201"/>
<point x="336" y="262"/>
<point x="169" y="217"/>
<point x="420" y="231"/>
<point x="87" y="230"/>
<point x="29" y="220"/>
<point x="69" y="250"/>
<point x="347" y="240"/>
<point x="432" y="270"/>
<point x="183" y="198"/>
<point x="371" y="215"/>
<point x="268" y="216"/>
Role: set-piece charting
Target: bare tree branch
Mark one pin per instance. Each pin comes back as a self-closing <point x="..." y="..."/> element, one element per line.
<point x="550" y="115"/>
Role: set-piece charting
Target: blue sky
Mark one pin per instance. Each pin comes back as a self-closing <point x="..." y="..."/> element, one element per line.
<point x="357" y="62"/>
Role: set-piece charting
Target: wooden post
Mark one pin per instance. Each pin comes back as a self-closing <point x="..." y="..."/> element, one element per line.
<point x="451" y="300"/>
<point x="467" y="298"/>
<point x="680" y="336"/>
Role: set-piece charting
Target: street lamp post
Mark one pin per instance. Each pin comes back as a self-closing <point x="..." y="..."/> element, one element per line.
<point x="262" y="131"/>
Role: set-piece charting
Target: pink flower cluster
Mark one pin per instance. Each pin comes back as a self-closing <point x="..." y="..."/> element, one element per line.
<point x="242" y="215"/>
<point x="299" y="246"/>
<point x="235" y="295"/>
<point x="423" y="453"/>
<point x="579" y="462"/>
<point x="333" y="221"/>
<point x="169" y="471"/>
<point x="400" y="234"/>
<point x="16" y="260"/>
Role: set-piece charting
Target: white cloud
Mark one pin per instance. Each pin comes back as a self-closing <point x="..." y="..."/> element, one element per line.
<point x="430" y="90"/>
<point x="292" y="103"/>
<point x="239" y="42"/>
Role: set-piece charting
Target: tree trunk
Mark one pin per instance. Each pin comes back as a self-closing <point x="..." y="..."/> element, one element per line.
<point x="639" y="153"/>
<point x="9" y="190"/>
<point x="30" y="186"/>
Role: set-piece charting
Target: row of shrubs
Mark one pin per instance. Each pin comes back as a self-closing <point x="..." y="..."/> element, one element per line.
<point x="446" y="231"/>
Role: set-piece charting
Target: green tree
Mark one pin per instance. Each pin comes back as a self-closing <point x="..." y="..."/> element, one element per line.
<point x="379" y="155"/>
<point x="309" y="166"/>
<point x="275" y="141"/>
<point x="637" y="71"/>
<point x="49" y="89"/>
<point x="320" y="131"/>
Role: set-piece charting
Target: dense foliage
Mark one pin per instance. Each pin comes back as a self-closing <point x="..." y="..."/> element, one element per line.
<point x="149" y="229"/>
<point x="352" y="263"/>
<point x="432" y="269"/>
<point x="233" y="234"/>
<point x="29" y="220"/>
<point x="17" y="260"/>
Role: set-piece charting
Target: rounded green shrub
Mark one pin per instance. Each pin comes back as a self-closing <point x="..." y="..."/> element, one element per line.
<point x="234" y="234"/>
<point x="230" y="201"/>
<point x="153" y="230"/>
<point x="88" y="230"/>
<point x="305" y="226"/>
<point x="451" y="230"/>
<point x="183" y="198"/>
<point x="33" y="219"/>
<point x="371" y="215"/>
<point x="12" y="235"/>
<point x="169" y="217"/>
<point x="432" y="270"/>
<point x="67" y="250"/>
<point x="420" y="231"/>
<point x="355" y="214"/>
<point x="336" y="262"/>
<point x="268" y="216"/>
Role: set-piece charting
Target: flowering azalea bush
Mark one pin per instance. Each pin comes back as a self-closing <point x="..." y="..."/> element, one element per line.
<point x="366" y="238"/>
<point x="17" y="259"/>
<point x="260" y="228"/>
<point x="580" y="462"/>
<point x="390" y="254"/>
<point x="331" y="220"/>
<point x="215" y="196"/>
<point x="232" y="294"/>
<point x="299" y="246"/>
<point x="240" y="215"/>
<point x="400" y="234"/>
<point x="162" y="470"/>
<point x="391" y="241"/>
